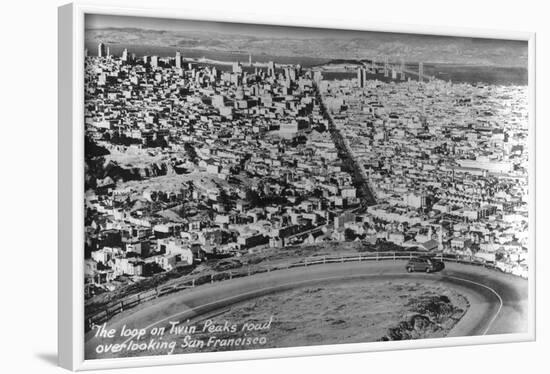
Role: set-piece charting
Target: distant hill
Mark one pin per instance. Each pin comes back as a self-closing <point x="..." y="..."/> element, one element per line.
<point x="412" y="48"/>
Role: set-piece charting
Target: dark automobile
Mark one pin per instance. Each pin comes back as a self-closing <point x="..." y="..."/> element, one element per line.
<point x="425" y="264"/>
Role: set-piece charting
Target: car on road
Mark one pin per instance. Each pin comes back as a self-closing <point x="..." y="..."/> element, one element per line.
<point x="424" y="264"/>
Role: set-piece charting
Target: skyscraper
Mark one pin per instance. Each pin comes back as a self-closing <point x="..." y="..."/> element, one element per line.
<point x="237" y="68"/>
<point x="124" y="56"/>
<point x="420" y="71"/>
<point x="361" y="77"/>
<point x="271" y="68"/>
<point x="101" y="50"/>
<point x="178" y="60"/>
<point x="317" y="76"/>
<point x="293" y="74"/>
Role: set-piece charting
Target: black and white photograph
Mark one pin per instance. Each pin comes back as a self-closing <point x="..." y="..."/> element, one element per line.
<point x="246" y="187"/>
<point x="259" y="186"/>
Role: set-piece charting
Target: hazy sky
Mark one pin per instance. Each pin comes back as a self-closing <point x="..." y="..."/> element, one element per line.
<point x="303" y="41"/>
<point x="94" y="21"/>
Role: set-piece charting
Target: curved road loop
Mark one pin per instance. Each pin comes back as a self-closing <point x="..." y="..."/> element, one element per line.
<point x="498" y="301"/>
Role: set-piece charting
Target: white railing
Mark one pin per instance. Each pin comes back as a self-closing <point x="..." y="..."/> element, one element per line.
<point x="129" y="302"/>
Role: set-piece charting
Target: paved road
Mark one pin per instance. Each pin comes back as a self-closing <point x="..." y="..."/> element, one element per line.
<point x="355" y="169"/>
<point x="498" y="301"/>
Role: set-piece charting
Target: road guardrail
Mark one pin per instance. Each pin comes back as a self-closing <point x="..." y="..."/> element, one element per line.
<point x="111" y="309"/>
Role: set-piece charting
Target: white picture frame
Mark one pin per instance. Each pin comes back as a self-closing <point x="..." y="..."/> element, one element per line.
<point x="71" y="189"/>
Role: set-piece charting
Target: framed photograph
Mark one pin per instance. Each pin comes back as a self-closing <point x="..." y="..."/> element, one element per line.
<point x="238" y="188"/>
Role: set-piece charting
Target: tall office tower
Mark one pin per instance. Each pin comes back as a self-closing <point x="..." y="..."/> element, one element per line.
<point x="214" y="74"/>
<point x="271" y="69"/>
<point x="402" y="69"/>
<point x="101" y="50"/>
<point x="124" y="56"/>
<point x="178" y="60"/>
<point x="373" y="66"/>
<point x="108" y="52"/>
<point x="420" y="71"/>
<point x="293" y="74"/>
<point x="250" y="59"/>
<point x="154" y="61"/>
<point x="393" y="73"/>
<point x="287" y="75"/>
<point x="361" y="77"/>
<point x="317" y="76"/>
<point x="386" y="68"/>
<point x="237" y="68"/>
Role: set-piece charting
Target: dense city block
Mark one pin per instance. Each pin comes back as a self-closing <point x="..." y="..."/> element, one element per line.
<point x="189" y="161"/>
